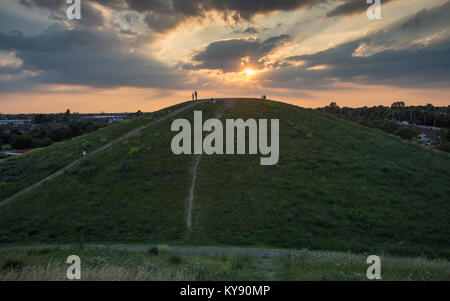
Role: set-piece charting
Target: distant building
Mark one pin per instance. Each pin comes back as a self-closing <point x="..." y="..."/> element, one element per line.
<point x="15" y="122"/>
<point x="109" y="118"/>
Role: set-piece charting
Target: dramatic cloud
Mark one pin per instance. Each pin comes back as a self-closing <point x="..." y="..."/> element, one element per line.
<point x="165" y="43"/>
<point x="92" y="16"/>
<point x="50" y="4"/>
<point x="84" y="57"/>
<point x="251" y="30"/>
<point x="406" y="67"/>
<point x="379" y="58"/>
<point x="163" y="15"/>
<point x="236" y="54"/>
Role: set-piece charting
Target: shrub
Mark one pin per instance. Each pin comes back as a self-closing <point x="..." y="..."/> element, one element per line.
<point x="153" y="251"/>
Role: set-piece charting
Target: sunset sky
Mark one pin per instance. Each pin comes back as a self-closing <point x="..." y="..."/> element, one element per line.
<point x="129" y="55"/>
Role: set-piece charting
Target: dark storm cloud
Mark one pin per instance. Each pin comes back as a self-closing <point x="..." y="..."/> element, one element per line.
<point x="84" y="57"/>
<point x="164" y="15"/>
<point x="232" y="55"/>
<point x="50" y="4"/>
<point x="352" y="7"/>
<point x="405" y="67"/>
<point x="91" y="16"/>
<point x="175" y="12"/>
<point x="8" y="70"/>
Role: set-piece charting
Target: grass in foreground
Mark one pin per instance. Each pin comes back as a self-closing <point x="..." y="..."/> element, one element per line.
<point x="163" y="264"/>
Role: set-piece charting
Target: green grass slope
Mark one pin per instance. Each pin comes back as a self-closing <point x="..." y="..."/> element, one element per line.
<point x="18" y="173"/>
<point x="337" y="186"/>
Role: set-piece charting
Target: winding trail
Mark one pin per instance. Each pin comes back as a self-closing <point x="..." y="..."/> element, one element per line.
<point x="190" y="198"/>
<point x="98" y="150"/>
<point x="197" y="159"/>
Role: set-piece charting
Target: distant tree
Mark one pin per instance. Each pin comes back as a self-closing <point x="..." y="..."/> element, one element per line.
<point x="67" y="115"/>
<point x="445" y="134"/>
<point x="59" y="134"/>
<point x="42" y="118"/>
<point x="22" y="142"/>
<point x="4" y="137"/>
<point x="398" y="105"/>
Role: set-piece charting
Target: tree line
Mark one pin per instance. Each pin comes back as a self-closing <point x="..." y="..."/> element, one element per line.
<point x="384" y="118"/>
<point x="44" y="135"/>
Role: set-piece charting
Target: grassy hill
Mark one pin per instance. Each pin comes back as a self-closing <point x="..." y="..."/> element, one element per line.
<point x="17" y="174"/>
<point x="337" y="186"/>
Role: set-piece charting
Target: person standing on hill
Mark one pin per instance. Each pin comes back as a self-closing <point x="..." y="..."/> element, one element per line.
<point x="196" y="95"/>
<point x="193" y="96"/>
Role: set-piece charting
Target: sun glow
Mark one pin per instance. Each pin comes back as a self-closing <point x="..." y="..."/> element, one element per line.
<point x="249" y="72"/>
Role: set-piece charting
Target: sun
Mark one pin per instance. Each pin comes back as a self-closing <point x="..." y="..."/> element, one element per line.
<point x="249" y="72"/>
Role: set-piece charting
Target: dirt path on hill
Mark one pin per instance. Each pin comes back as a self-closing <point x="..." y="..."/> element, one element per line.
<point x="98" y="150"/>
<point x="194" y="171"/>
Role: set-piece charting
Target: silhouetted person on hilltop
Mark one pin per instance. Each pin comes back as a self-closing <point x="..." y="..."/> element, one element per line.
<point x="196" y="95"/>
